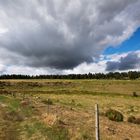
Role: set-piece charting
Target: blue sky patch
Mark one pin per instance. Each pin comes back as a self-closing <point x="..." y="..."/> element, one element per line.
<point x="132" y="44"/>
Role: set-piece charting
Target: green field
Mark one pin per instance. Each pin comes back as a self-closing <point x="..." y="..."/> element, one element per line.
<point x="26" y="115"/>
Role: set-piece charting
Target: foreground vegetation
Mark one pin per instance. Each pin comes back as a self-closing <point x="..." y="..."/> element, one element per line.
<point x="64" y="109"/>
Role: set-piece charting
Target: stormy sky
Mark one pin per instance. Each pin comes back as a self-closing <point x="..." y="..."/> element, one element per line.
<point x="65" y="36"/>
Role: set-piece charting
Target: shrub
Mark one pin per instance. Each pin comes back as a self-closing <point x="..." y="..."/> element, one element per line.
<point x="72" y="102"/>
<point x="48" y="102"/>
<point x="86" y="136"/>
<point x="114" y="115"/>
<point x="134" y="120"/>
<point x="135" y="94"/>
<point x="137" y="121"/>
<point x="14" y="116"/>
<point x="131" y="119"/>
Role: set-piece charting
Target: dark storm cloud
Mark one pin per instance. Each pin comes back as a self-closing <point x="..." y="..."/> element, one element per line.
<point x="131" y="61"/>
<point x="62" y="34"/>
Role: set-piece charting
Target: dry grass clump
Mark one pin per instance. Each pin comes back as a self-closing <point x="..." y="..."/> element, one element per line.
<point x="49" y="119"/>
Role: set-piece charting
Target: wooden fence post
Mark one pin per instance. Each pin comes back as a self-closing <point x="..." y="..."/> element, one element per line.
<point x="97" y="133"/>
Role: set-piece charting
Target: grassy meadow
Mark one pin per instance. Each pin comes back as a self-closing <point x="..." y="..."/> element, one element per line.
<point x="64" y="109"/>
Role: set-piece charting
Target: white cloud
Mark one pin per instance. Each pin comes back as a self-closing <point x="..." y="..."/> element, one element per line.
<point x="86" y="68"/>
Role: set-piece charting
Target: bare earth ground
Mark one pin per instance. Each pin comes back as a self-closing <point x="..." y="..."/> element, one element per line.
<point x="26" y="115"/>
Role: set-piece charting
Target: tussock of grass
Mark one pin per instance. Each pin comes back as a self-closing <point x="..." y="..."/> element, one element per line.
<point x="55" y="132"/>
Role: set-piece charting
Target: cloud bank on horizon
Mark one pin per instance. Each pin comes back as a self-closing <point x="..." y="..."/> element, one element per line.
<point x="61" y="36"/>
<point x="128" y="62"/>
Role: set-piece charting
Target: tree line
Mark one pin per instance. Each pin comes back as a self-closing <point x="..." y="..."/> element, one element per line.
<point x="111" y="75"/>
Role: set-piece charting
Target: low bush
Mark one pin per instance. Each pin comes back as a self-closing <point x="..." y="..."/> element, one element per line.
<point x="114" y="115"/>
<point x="48" y="102"/>
<point x="14" y="116"/>
<point x="137" y="121"/>
<point x="72" y="102"/>
<point x="135" y="94"/>
<point x="133" y="119"/>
